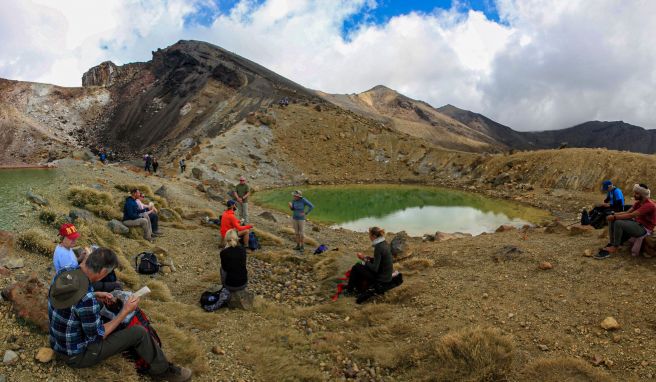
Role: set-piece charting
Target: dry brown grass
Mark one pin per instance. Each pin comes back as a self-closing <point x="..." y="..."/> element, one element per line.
<point x="416" y="264"/>
<point x="98" y="202"/>
<point x="36" y="241"/>
<point x="308" y="240"/>
<point x="267" y="238"/>
<point x="182" y="226"/>
<point x="182" y="348"/>
<point x="159" y="291"/>
<point x="194" y="214"/>
<point x="113" y="369"/>
<point x="127" y="187"/>
<point x="469" y="354"/>
<point x="562" y="369"/>
<point x="277" y="256"/>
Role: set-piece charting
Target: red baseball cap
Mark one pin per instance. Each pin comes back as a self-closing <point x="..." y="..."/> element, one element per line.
<point x="68" y="231"/>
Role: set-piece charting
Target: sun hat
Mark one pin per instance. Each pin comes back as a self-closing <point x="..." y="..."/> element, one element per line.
<point x="68" y="288"/>
<point x="68" y="231"/>
<point x="606" y="185"/>
<point x="297" y="193"/>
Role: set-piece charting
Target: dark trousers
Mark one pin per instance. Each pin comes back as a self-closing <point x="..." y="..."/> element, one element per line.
<point x="135" y="337"/>
<point x="361" y="278"/>
<point x="621" y="230"/>
<point x="154" y="221"/>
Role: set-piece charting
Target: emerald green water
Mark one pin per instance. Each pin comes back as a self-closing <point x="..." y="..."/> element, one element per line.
<point x="14" y="184"/>
<point x="416" y="209"/>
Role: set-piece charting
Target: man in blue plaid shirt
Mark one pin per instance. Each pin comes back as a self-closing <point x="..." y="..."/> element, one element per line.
<point x="77" y="333"/>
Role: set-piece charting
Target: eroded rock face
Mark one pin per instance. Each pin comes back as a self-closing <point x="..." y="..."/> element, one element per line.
<point x="29" y="301"/>
<point x="100" y="75"/>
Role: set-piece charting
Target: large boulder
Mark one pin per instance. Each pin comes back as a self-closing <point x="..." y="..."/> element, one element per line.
<point x="443" y="236"/>
<point x="168" y="215"/>
<point x="399" y="245"/>
<point x="29" y="300"/>
<point x="118" y="227"/>
<point x="38" y="199"/>
<point x="162" y="191"/>
<point x="242" y="299"/>
<point x="216" y="194"/>
<point x="556" y="227"/>
<point x="268" y="216"/>
<point x="579" y="229"/>
<point x="197" y="173"/>
<point x="500" y="179"/>
<point x="7" y="257"/>
<point x="80" y="214"/>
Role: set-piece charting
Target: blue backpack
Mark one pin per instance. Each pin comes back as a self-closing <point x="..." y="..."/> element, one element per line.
<point x="253" y="242"/>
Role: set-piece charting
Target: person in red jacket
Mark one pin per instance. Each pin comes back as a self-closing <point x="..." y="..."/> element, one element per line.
<point x="229" y="221"/>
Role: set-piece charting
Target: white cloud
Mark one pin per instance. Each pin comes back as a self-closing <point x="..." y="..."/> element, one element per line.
<point x="550" y="64"/>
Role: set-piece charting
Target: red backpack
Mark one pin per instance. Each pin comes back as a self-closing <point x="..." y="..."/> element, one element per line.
<point x="140" y="319"/>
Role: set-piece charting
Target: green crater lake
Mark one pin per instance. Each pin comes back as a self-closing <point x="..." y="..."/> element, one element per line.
<point x="418" y="210"/>
<point x="14" y="185"/>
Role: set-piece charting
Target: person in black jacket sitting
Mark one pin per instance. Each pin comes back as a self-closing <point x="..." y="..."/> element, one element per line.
<point x="376" y="269"/>
<point x="234" y="275"/>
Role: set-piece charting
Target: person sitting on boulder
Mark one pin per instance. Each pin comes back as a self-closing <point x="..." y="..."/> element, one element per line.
<point x="64" y="255"/>
<point x="234" y="275"/>
<point x="77" y="333"/>
<point x="151" y="214"/>
<point x="132" y="215"/>
<point x="376" y="269"/>
<point x="636" y="222"/>
<point x="229" y="221"/>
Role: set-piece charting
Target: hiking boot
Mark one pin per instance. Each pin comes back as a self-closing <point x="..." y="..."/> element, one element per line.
<point x="173" y="374"/>
<point x="602" y="255"/>
<point x="158" y="234"/>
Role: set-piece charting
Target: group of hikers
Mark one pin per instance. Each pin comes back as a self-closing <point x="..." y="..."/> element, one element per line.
<point x="632" y="224"/>
<point x="150" y="163"/>
<point x="91" y="318"/>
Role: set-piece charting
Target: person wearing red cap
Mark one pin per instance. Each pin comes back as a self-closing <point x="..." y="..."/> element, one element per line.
<point x="64" y="255"/>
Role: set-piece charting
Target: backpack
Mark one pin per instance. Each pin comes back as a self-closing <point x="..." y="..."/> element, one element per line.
<point x="211" y="301"/>
<point x="585" y="217"/>
<point x="146" y="263"/>
<point x="140" y="319"/>
<point x="320" y="249"/>
<point x="253" y="242"/>
<point x="598" y="218"/>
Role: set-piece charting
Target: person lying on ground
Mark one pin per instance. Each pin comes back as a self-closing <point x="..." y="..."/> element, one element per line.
<point x="151" y="213"/>
<point x="378" y="268"/>
<point x="64" y="255"/>
<point x="77" y="333"/>
<point x="636" y="222"/>
<point x="229" y="221"/>
<point x="234" y="275"/>
<point x="132" y="215"/>
<point x="299" y="213"/>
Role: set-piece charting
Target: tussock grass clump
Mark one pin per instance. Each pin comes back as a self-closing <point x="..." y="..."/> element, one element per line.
<point x="417" y="263"/>
<point x="112" y="369"/>
<point x="470" y="354"/>
<point x="267" y="238"/>
<point x="125" y="272"/>
<point x="36" y="241"/>
<point x="102" y="236"/>
<point x="47" y="217"/>
<point x="194" y="214"/>
<point x="159" y="291"/>
<point x="277" y="257"/>
<point x="308" y="240"/>
<point x="327" y="266"/>
<point x="169" y="215"/>
<point x="127" y="187"/>
<point x="182" y="226"/>
<point x="182" y="348"/>
<point x="98" y="202"/>
<point x="562" y="369"/>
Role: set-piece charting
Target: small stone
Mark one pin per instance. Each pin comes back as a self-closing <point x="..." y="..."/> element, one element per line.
<point x="511" y="315"/>
<point x="543" y="347"/>
<point x="587" y="253"/>
<point x="645" y="363"/>
<point x="485" y="295"/>
<point x="505" y="228"/>
<point x="44" y="355"/>
<point x="636" y="331"/>
<point x="10" y="357"/>
<point x="217" y="350"/>
<point x="597" y="360"/>
<point x="545" y="265"/>
<point x="610" y="323"/>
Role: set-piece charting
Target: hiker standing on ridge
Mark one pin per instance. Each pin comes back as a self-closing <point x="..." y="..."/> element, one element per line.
<point x="241" y="193"/>
<point x="148" y="163"/>
<point x="77" y="333"/>
<point x="297" y="206"/>
<point x="183" y="165"/>
<point x="155" y="165"/>
<point x="636" y="222"/>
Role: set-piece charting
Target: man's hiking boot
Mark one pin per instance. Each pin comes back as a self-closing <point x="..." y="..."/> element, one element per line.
<point x="173" y="374"/>
<point x="602" y="255"/>
<point x="158" y="234"/>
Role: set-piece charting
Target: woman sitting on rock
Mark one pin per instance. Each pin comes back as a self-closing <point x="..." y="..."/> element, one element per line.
<point x="376" y="269"/>
<point x="234" y="275"/>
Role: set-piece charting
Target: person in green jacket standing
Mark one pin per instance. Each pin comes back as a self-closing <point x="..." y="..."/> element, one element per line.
<point x="241" y="194"/>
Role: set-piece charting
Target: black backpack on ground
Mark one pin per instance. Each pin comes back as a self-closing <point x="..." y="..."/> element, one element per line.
<point x="211" y="301"/>
<point x="147" y="263"/>
<point x="253" y="241"/>
<point x="585" y="217"/>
